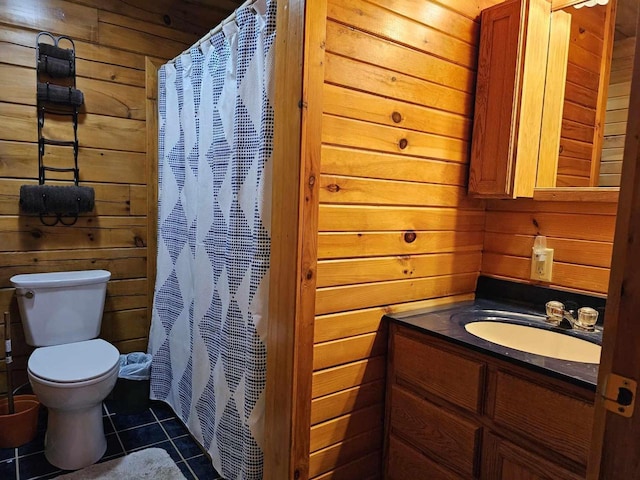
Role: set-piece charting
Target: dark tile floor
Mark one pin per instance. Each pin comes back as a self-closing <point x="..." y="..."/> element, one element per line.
<point x="157" y="427"/>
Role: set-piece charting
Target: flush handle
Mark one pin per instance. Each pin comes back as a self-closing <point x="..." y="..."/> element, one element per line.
<point x="28" y="294"/>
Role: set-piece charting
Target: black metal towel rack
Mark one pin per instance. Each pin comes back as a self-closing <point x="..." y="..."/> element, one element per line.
<point x="47" y="107"/>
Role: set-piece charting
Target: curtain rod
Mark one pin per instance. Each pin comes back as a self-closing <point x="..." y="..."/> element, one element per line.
<point x="215" y="30"/>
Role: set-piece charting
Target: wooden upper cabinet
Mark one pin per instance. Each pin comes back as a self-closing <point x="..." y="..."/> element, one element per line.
<point x="514" y="42"/>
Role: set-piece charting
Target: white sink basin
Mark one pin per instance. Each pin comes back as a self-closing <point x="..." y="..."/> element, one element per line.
<point x="537" y="341"/>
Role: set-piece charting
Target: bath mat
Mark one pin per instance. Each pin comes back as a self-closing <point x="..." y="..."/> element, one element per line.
<point x="151" y="463"/>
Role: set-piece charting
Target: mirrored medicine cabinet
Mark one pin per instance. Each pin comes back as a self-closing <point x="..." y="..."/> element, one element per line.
<point x="559" y="135"/>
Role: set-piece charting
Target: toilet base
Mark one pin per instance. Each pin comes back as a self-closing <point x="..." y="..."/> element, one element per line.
<point x="75" y="438"/>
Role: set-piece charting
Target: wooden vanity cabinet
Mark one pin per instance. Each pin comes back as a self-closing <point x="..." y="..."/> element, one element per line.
<point x="452" y="413"/>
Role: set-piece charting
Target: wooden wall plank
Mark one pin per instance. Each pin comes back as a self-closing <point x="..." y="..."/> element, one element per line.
<point x="371" y="244"/>
<point x="358" y="45"/>
<point x="377" y="20"/>
<point x="368" y="467"/>
<point x="346" y="132"/>
<point x="324" y="460"/>
<point x="125" y="324"/>
<point x="181" y="16"/>
<point x="348" y="103"/>
<point x="346" y="350"/>
<point x="356" y="162"/>
<point x="20" y="160"/>
<point x="57" y="16"/>
<point x="345" y="401"/>
<point x="84" y="50"/>
<point x="357" y="270"/>
<point x="356" y="322"/>
<point x="350" y="190"/>
<point x="130" y="23"/>
<point x="339" y="378"/>
<point x="338" y="429"/>
<point x="345" y="218"/>
<point x="26" y="233"/>
<point x="351" y="297"/>
<point x="384" y="82"/>
<point x="126" y="295"/>
<point x="123" y="38"/>
<point x="449" y="20"/>
<point x="576" y="226"/>
<point x="95" y="131"/>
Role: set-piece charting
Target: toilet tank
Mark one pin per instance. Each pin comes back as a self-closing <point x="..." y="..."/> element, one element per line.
<point x="61" y="307"/>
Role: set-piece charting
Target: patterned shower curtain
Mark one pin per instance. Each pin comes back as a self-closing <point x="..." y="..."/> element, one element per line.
<point x="208" y="330"/>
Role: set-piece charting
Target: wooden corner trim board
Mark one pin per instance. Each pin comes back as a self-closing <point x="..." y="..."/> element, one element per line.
<point x="151" y="86"/>
<point x="296" y="166"/>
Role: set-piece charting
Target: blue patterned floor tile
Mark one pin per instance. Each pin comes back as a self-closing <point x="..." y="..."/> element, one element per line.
<point x="35" y="465"/>
<point x="174" y="428"/>
<point x="135" y="438"/>
<point x="122" y="422"/>
<point x="114" y="449"/>
<point x="7" y="453"/>
<point x="106" y="423"/>
<point x="187" y="446"/>
<point x="185" y="471"/>
<point x="203" y="468"/>
<point x="162" y="410"/>
<point x="35" y="445"/>
<point x="8" y="470"/>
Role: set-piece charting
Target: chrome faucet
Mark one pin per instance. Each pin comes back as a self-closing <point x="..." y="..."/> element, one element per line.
<point x="584" y="319"/>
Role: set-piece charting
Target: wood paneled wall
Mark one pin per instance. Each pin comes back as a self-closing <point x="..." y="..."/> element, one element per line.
<point x="581" y="234"/>
<point x="581" y="106"/>
<point x="396" y="230"/>
<point x="615" y="126"/>
<point x="112" y="39"/>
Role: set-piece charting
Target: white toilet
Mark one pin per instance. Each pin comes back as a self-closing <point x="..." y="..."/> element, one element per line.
<point x="72" y="371"/>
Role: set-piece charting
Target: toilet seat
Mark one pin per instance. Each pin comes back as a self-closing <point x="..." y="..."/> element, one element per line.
<point x="75" y="363"/>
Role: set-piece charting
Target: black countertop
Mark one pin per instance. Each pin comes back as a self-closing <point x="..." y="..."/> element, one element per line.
<point x="448" y="323"/>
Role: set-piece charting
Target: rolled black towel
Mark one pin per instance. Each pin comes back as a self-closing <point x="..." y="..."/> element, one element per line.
<point x="56" y="52"/>
<point x="59" y="94"/>
<point x="56" y="67"/>
<point x="65" y="200"/>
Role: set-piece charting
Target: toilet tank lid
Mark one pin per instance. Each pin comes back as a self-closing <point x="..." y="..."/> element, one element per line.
<point x="60" y="279"/>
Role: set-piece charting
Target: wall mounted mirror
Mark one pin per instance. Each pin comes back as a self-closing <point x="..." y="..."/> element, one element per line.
<point x="597" y="88"/>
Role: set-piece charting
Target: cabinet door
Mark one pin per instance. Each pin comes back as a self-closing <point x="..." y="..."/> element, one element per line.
<point x="447" y="438"/>
<point x="405" y="462"/>
<point x="561" y="422"/>
<point x="493" y="146"/>
<point x="502" y="460"/>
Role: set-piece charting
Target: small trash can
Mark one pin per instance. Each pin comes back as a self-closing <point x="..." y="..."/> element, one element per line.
<point x="131" y="393"/>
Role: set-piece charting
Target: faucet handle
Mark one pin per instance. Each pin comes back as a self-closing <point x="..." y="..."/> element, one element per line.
<point x="555" y="311"/>
<point x="587" y="318"/>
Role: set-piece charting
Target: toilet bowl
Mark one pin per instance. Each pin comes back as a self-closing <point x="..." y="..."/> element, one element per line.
<point x="72" y="380"/>
<point x="71" y="372"/>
